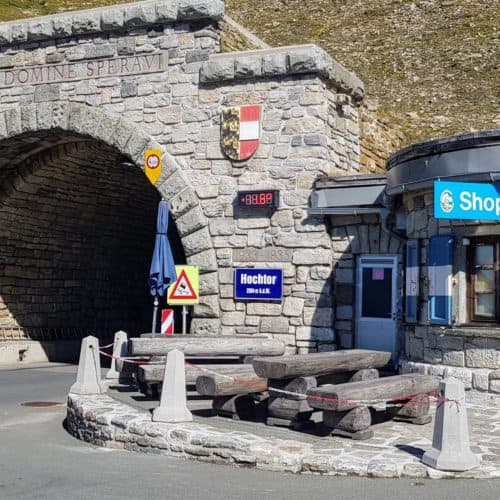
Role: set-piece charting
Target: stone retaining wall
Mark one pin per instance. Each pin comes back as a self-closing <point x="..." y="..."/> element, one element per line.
<point x="24" y="352"/>
<point x="105" y="422"/>
<point x="479" y="379"/>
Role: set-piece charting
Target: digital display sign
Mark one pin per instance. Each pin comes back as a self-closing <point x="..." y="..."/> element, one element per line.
<point x="261" y="198"/>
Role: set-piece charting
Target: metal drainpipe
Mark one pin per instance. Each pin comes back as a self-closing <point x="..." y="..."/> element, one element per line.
<point x="384" y="215"/>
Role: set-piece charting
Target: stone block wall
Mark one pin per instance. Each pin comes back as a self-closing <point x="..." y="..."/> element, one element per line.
<point x="145" y="67"/>
<point x="307" y="131"/>
<point x="75" y="249"/>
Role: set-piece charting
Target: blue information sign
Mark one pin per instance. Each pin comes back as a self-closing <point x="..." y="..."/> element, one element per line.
<point x="466" y="200"/>
<point x="258" y="284"/>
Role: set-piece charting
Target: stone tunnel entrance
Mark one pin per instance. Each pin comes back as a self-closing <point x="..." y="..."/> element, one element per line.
<point x="77" y="226"/>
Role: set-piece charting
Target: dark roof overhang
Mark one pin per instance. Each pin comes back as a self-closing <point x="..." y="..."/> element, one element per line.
<point x="472" y="157"/>
<point x="345" y="195"/>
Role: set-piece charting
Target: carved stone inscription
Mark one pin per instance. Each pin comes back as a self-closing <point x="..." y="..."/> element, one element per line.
<point x="99" y="68"/>
<point x="273" y="254"/>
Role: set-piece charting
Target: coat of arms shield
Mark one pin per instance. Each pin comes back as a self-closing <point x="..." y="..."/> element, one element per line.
<point x="240" y="131"/>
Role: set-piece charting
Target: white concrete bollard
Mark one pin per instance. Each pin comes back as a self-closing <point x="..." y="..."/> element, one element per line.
<point x="173" y="401"/>
<point x="120" y="350"/>
<point x="450" y="442"/>
<point x="88" y="379"/>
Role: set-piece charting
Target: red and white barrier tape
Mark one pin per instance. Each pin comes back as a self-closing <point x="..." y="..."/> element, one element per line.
<point x="207" y="370"/>
<point x="106" y="346"/>
<point x="135" y="361"/>
<point x="407" y="401"/>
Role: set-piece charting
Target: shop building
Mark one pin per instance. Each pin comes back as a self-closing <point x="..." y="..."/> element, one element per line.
<point x="416" y="258"/>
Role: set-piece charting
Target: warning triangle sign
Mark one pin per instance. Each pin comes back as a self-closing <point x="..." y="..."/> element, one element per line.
<point x="183" y="290"/>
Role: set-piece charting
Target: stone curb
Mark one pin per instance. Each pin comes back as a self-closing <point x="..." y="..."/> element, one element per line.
<point x="109" y="18"/>
<point x="484" y="381"/>
<point x="103" y="421"/>
<point x="281" y="61"/>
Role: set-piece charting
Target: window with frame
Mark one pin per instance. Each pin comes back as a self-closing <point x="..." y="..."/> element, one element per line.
<point x="483" y="277"/>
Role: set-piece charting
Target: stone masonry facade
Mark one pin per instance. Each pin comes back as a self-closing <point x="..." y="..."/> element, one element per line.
<point x="125" y="79"/>
<point x="59" y="256"/>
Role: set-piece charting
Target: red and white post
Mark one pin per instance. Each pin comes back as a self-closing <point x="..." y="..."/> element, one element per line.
<point x="167" y="322"/>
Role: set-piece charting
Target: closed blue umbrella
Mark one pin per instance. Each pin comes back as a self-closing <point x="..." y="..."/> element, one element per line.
<point x="162" y="271"/>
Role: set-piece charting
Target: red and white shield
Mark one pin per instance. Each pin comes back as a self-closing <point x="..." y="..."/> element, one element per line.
<point x="240" y="131"/>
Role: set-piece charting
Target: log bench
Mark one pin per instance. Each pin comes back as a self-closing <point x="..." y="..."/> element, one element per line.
<point x="206" y="347"/>
<point x="346" y="407"/>
<point x="290" y="378"/>
<point x="235" y="388"/>
<point x="150" y="376"/>
<point x="238" y="395"/>
<point x="154" y="373"/>
<point x="218" y="350"/>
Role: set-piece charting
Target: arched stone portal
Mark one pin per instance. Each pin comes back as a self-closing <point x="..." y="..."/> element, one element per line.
<point x="78" y="220"/>
<point x="112" y="82"/>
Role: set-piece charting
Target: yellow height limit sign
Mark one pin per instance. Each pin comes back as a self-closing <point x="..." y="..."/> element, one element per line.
<point x="152" y="165"/>
<point x="185" y="291"/>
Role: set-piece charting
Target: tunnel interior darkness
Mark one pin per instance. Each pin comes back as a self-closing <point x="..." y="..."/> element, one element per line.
<point x="77" y="228"/>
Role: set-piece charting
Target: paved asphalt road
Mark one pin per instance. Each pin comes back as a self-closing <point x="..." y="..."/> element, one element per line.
<point x="39" y="460"/>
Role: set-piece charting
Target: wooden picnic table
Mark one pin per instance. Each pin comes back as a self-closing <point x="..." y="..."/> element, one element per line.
<point x="290" y="377"/>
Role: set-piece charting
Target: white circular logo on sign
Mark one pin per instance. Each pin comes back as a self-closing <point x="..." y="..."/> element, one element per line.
<point x="446" y="201"/>
<point x="153" y="161"/>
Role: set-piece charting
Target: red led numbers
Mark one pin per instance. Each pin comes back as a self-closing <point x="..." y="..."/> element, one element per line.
<point x="258" y="198"/>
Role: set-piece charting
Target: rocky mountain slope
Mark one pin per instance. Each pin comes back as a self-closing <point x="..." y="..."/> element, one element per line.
<point x="433" y="66"/>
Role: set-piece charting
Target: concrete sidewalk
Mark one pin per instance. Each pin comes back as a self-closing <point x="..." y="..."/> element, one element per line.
<point x="122" y="419"/>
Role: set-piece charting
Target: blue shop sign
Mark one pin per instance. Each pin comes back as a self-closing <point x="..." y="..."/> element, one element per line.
<point x="466" y="200"/>
<point x="258" y="284"/>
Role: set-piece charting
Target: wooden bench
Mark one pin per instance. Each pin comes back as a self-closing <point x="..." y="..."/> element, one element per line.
<point x="239" y="395"/>
<point x="291" y="377"/>
<point x="200" y="346"/>
<point x="218" y="350"/>
<point x="346" y="407"/>
<point x="229" y="384"/>
<point x="235" y="388"/>
<point x="154" y="373"/>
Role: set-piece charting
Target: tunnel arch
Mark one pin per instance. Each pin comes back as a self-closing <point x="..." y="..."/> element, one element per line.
<point x="34" y="135"/>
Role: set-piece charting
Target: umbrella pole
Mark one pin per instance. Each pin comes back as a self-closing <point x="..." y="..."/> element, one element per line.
<point x="184" y="319"/>
<point x="155" y="314"/>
